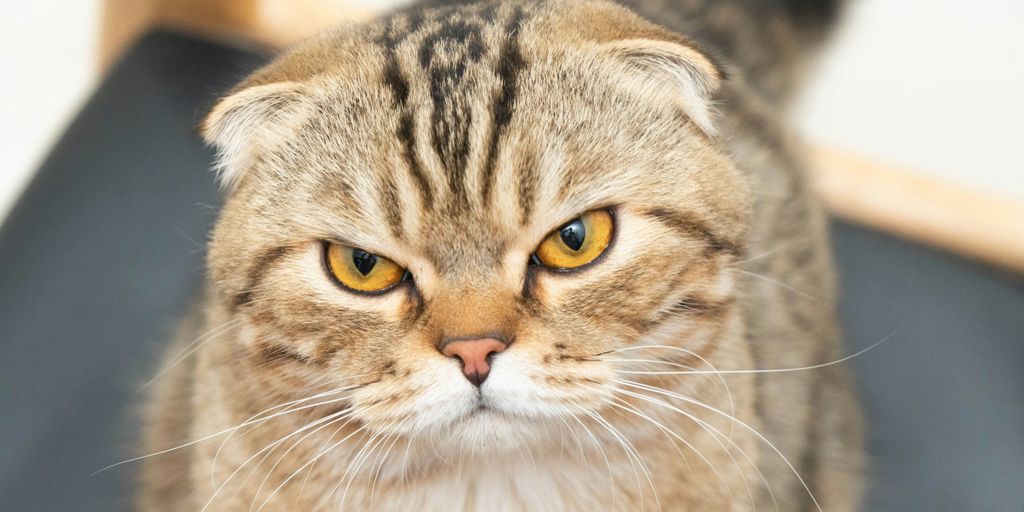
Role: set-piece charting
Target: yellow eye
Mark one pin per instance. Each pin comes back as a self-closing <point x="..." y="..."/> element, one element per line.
<point x="578" y="242"/>
<point x="361" y="271"/>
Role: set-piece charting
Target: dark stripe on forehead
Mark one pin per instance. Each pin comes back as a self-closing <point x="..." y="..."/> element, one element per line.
<point x="394" y="79"/>
<point x="399" y="30"/>
<point x="689" y="225"/>
<point x="388" y="192"/>
<point x="412" y="163"/>
<point x="445" y="55"/>
<point x="510" y="64"/>
<point x="454" y="32"/>
<point x="527" y="188"/>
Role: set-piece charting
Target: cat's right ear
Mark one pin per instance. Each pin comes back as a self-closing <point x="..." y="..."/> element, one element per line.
<point x="252" y="119"/>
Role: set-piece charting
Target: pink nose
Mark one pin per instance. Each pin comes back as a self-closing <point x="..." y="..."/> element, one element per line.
<point x="475" y="355"/>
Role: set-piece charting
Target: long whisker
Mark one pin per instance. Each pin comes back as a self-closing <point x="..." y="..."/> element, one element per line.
<point x="632" y="454"/>
<point x="739" y="422"/>
<point x="377" y="439"/>
<point x="714" y="371"/>
<point x="764" y="370"/>
<point x="607" y="462"/>
<point x="309" y="470"/>
<point x="313" y="460"/>
<point x="251" y="420"/>
<point x="767" y="253"/>
<point x="191" y="348"/>
<point x="778" y="283"/>
<point x="327" y="441"/>
<point x="270" y="446"/>
<point x="405" y="466"/>
<point x="380" y="466"/>
<point x="715" y="434"/>
<point x="216" y="456"/>
<point x="259" y="490"/>
<point x="626" y="406"/>
<point x="579" y="444"/>
<point x="650" y="361"/>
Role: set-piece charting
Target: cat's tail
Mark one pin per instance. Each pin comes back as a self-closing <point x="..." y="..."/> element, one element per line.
<point x="772" y="41"/>
<point x="812" y="17"/>
<point x="809" y="23"/>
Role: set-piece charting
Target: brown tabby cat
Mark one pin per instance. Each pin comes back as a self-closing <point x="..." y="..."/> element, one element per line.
<point x="516" y="256"/>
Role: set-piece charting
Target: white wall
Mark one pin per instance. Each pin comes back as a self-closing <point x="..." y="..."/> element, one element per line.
<point x="937" y="84"/>
<point x="49" y="52"/>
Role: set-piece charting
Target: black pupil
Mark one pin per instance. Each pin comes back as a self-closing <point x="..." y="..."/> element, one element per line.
<point x="363" y="261"/>
<point x="573" y="234"/>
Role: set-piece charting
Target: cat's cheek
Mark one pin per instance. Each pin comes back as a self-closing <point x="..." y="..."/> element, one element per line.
<point x="520" y="384"/>
<point x="428" y="394"/>
<point x="510" y="388"/>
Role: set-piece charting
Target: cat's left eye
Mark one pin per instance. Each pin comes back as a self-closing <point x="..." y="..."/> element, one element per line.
<point x="362" y="271"/>
<point x="578" y="242"/>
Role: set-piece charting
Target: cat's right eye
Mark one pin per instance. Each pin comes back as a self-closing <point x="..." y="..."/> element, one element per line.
<point x="361" y="271"/>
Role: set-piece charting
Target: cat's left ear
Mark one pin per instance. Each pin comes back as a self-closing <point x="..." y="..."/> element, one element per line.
<point x="652" y="53"/>
<point x="252" y="119"/>
<point x="691" y="73"/>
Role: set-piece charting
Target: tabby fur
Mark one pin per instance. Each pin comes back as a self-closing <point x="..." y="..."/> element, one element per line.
<point x="451" y="139"/>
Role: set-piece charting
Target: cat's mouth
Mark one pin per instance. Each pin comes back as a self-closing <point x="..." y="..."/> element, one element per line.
<point x="483" y="418"/>
<point x="482" y="411"/>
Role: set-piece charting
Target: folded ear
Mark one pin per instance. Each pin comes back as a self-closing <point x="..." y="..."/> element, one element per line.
<point x="652" y="51"/>
<point x="693" y="75"/>
<point x="252" y="119"/>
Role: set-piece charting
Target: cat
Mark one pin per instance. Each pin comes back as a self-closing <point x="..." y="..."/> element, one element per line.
<point x="543" y="255"/>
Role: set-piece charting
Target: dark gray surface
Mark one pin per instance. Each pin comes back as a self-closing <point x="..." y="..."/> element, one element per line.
<point x="945" y="395"/>
<point x="104" y="251"/>
<point x="97" y="260"/>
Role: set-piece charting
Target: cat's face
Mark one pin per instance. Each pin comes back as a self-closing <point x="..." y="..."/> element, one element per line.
<point x="397" y="203"/>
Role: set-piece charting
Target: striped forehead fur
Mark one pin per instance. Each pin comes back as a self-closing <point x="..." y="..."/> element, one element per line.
<point x="461" y="68"/>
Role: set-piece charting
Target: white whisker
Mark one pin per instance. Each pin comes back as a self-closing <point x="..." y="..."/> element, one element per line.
<point x="764" y="370"/>
<point x="259" y="490"/>
<point x="377" y="439"/>
<point x="607" y="462"/>
<point x="634" y="458"/>
<point x="191" y="348"/>
<point x="380" y="465"/>
<point x="253" y="419"/>
<point x="219" y="488"/>
<point x="714" y="371"/>
<point x="216" y="455"/>
<point x="779" y="283"/>
<point x="313" y="460"/>
<point x="665" y="430"/>
<point x="739" y="422"/>
<point x="715" y="434"/>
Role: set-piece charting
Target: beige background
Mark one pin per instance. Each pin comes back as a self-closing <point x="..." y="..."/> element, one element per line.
<point x="934" y="84"/>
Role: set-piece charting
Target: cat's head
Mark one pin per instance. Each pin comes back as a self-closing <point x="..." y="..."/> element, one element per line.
<point x="464" y="213"/>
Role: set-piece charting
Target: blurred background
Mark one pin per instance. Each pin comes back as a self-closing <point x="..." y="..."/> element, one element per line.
<point x="912" y="128"/>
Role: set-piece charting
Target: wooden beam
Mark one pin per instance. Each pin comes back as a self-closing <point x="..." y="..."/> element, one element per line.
<point x="272" y="23"/>
<point x="121" y="23"/>
<point x="905" y="202"/>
